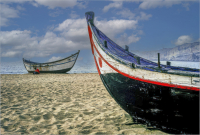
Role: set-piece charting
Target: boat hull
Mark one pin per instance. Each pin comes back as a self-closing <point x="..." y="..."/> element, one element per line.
<point x="54" y="71"/>
<point x="60" y="66"/>
<point x="169" y="101"/>
<point x="170" y="109"/>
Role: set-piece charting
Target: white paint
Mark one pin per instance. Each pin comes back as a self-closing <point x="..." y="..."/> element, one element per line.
<point x="140" y="73"/>
<point x="52" y="66"/>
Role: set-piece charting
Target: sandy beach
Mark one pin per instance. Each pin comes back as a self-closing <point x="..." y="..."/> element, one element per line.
<point x="62" y="104"/>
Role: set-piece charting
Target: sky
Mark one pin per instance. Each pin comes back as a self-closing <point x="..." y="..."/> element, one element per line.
<point x="48" y="30"/>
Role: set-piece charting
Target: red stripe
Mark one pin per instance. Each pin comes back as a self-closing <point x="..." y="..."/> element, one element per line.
<point x="143" y="80"/>
<point x="92" y="44"/>
<point x="97" y="65"/>
<point x="91" y="41"/>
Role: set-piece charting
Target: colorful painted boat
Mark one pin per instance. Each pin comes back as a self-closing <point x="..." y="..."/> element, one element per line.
<point x="165" y="97"/>
<point x="59" y="66"/>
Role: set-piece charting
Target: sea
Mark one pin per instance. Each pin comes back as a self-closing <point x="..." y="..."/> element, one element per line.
<point x="18" y="67"/>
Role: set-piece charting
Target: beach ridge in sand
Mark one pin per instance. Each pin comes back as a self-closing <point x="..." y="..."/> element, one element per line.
<point x="62" y="104"/>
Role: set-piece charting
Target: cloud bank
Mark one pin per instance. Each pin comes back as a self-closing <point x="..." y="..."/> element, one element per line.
<point x="117" y="4"/>
<point x="7" y="12"/>
<point x="54" y="58"/>
<point x="183" y="39"/>
<point x="158" y="3"/>
<point x="70" y="35"/>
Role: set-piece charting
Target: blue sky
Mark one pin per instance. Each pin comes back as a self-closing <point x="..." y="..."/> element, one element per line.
<point x="46" y="30"/>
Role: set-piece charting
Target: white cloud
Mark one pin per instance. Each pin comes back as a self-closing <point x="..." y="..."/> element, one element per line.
<point x="15" y="1"/>
<point x="82" y="5"/>
<point x="71" y="24"/>
<point x="75" y="30"/>
<point x="20" y="8"/>
<point x="116" y="4"/>
<point x="140" y="32"/>
<point x="15" y="38"/>
<point x="186" y="5"/>
<point x="11" y="54"/>
<point x="143" y="16"/>
<point x="126" y="13"/>
<point x="72" y="35"/>
<point x="126" y="40"/>
<point x="158" y="3"/>
<point x="183" y="39"/>
<point x="54" y="59"/>
<point x="35" y="4"/>
<point x="55" y="13"/>
<point x="133" y="39"/>
<point x="7" y="12"/>
<point x="113" y="27"/>
<point x="13" y="43"/>
<point x="74" y="15"/>
<point x="51" y="4"/>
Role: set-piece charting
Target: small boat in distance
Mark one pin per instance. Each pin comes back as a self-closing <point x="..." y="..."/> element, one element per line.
<point x="163" y="96"/>
<point x="59" y="66"/>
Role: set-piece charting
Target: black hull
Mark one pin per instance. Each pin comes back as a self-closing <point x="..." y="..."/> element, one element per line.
<point x="169" y="109"/>
<point x="55" y="71"/>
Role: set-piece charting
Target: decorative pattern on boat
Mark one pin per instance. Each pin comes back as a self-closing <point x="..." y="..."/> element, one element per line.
<point x="134" y="61"/>
<point x="59" y="66"/>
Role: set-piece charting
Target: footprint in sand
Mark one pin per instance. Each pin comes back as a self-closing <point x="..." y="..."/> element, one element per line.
<point x="87" y="127"/>
<point x="66" y="99"/>
<point x="9" y="127"/>
<point x="25" y="117"/>
<point x="69" y="115"/>
<point x="61" y="115"/>
<point x="100" y="133"/>
<point x="63" y="132"/>
<point x="129" y="132"/>
<point x="85" y="132"/>
<point x="48" y="116"/>
<point x="35" y="128"/>
<point x="88" y="113"/>
<point x="37" y="118"/>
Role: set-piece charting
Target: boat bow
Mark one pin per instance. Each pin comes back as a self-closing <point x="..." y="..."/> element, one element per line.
<point x="165" y="96"/>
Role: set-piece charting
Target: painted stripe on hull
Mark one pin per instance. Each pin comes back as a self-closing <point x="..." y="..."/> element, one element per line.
<point x="136" y="78"/>
<point x="38" y="65"/>
<point x="97" y="66"/>
<point x="56" y="71"/>
<point x="159" y="105"/>
<point x="60" y="66"/>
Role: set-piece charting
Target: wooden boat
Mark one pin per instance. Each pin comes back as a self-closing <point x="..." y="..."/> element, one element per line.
<point x="163" y="96"/>
<point x="59" y="66"/>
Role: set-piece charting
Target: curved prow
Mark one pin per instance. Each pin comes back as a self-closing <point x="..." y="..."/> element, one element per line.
<point x="90" y="17"/>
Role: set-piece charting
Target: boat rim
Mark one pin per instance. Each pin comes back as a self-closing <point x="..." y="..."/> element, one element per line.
<point x="130" y="53"/>
<point x="31" y="62"/>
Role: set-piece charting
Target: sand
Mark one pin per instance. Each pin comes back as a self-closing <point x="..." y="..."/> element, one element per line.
<point x="62" y="104"/>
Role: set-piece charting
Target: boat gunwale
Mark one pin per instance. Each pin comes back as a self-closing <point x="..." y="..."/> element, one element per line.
<point x="122" y="61"/>
<point x="32" y="63"/>
<point x="189" y="87"/>
<point x="56" y="71"/>
<point x="194" y="73"/>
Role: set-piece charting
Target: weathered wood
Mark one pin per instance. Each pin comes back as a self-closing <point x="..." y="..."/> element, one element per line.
<point x="126" y="48"/>
<point x="168" y="63"/>
<point x="158" y="60"/>
<point x="59" y="66"/>
<point x="105" y="43"/>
